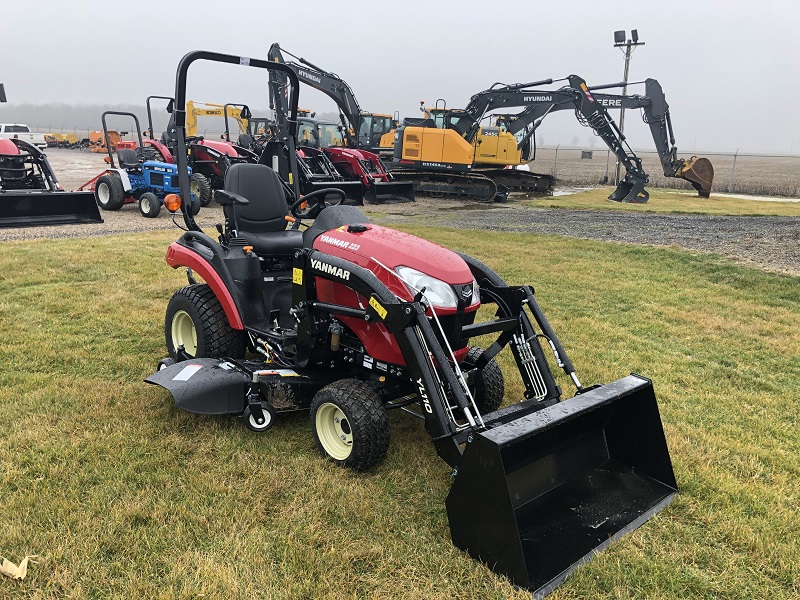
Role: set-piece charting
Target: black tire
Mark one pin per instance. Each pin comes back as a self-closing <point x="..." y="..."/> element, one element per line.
<point x="149" y="205"/>
<point x="109" y="192"/>
<point x="164" y="363"/>
<point x="250" y="420"/>
<point x="201" y="187"/>
<point x="487" y="385"/>
<point x="195" y="319"/>
<point x="352" y="410"/>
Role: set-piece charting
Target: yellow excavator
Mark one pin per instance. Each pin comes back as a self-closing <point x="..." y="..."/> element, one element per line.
<point x="448" y="152"/>
<point x="239" y="112"/>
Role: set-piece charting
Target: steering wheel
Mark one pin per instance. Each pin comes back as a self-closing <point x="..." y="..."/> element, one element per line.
<point x="310" y="205"/>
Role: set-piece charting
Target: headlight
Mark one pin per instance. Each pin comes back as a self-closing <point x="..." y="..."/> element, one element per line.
<point x="437" y="292"/>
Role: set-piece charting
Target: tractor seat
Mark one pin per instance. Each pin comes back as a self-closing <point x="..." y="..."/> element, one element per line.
<point x="245" y="140"/>
<point x="261" y="222"/>
<point x="128" y="159"/>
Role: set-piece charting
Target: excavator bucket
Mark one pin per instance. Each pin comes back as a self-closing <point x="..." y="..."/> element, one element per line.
<point x="536" y="494"/>
<point x="630" y="190"/>
<point x="35" y="208"/>
<point x="390" y="192"/>
<point x="700" y="173"/>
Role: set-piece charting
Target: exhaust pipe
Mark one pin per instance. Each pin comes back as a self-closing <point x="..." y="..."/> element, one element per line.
<point x="536" y="495"/>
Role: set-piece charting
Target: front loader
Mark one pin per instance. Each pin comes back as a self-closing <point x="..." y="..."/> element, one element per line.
<point x="30" y="194"/>
<point x="348" y="320"/>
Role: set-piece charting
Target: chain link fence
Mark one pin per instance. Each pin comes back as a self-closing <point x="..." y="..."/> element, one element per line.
<point x="739" y="173"/>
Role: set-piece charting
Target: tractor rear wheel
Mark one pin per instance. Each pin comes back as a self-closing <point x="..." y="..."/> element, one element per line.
<point x="149" y="205"/>
<point x="487" y="384"/>
<point x="350" y="424"/>
<point x="195" y="320"/>
<point x="201" y="188"/>
<point x="109" y="192"/>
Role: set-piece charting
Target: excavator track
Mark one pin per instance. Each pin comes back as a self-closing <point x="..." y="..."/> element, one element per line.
<point x="472" y="186"/>
<point x="517" y="180"/>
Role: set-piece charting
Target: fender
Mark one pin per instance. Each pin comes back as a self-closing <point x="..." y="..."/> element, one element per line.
<point x="181" y="256"/>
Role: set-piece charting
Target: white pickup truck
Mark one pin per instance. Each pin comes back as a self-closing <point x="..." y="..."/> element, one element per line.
<point x="22" y="132"/>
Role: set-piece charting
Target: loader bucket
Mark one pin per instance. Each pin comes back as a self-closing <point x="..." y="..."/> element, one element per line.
<point x="35" y="208"/>
<point x="700" y="173"/>
<point x="390" y="192"/>
<point x="536" y="495"/>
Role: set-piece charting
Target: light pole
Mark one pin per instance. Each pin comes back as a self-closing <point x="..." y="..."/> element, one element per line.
<point x="627" y="47"/>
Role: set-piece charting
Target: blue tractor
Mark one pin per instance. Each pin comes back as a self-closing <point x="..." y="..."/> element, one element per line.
<point x="139" y="177"/>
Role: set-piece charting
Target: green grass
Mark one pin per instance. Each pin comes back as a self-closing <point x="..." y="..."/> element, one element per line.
<point x="122" y="495"/>
<point x="668" y="201"/>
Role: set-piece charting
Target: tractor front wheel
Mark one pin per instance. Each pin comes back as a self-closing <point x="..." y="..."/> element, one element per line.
<point x="195" y="320"/>
<point x="350" y="424"/>
<point x="201" y="188"/>
<point x="486" y="384"/>
<point x="149" y="205"/>
<point x="109" y="192"/>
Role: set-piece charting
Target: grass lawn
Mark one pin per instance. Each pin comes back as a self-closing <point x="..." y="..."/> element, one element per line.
<point x="669" y="201"/>
<point x="122" y="495"/>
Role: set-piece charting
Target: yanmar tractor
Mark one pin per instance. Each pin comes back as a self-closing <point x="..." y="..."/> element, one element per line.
<point x="349" y="320"/>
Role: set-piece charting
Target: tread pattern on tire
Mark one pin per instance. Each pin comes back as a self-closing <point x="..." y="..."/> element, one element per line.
<point x="116" y="192"/>
<point x="367" y="417"/>
<point x="206" y="193"/>
<point x="219" y="339"/>
<point x="489" y="387"/>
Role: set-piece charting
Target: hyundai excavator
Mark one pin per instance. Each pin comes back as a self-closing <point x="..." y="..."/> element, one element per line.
<point x="492" y="145"/>
<point x="364" y="130"/>
<point x="356" y="161"/>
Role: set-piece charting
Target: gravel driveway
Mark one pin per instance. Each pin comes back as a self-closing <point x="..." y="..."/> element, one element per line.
<point x="771" y="243"/>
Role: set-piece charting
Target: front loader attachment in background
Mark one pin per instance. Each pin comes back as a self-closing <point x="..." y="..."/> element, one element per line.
<point x="390" y="192"/>
<point x="700" y="173"/>
<point x="34" y="208"/>
<point x="535" y="495"/>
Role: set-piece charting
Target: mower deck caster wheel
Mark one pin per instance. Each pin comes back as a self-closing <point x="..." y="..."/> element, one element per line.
<point x="252" y="423"/>
<point x="164" y="363"/>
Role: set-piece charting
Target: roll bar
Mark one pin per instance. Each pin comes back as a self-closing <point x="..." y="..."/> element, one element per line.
<point x="178" y="127"/>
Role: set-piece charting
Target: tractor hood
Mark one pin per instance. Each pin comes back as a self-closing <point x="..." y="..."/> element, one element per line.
<point x="379" y="248"/>
<point x="221" y="147"/>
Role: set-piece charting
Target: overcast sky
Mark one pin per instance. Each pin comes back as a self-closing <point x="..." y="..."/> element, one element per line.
<point x="730" y="69"/>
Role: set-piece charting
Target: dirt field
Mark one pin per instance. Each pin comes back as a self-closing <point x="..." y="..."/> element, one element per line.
<point x="772" y="243"/>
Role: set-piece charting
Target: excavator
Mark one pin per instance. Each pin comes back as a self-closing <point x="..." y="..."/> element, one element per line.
<point x="363" y="130"/>
<point x="351" y="151"/>
<point x="448" y="130"/>
<point x="699" y="172"/>
<point x="239" y="112"/>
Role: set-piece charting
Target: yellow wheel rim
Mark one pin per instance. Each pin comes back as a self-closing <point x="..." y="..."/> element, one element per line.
<point x="183" y="332"/>
<point x="333" y="430"/>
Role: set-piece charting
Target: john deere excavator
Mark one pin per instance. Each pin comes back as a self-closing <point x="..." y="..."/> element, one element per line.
<point x="588" y="102"/>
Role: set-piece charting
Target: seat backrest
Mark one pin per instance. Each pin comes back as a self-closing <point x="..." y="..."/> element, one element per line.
<point x="127" y="158"/>
<point x="263" y="188"/>
<point x="245" y="140"/>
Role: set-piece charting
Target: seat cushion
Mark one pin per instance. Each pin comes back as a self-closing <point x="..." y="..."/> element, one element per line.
<point x="274" y="243"/>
